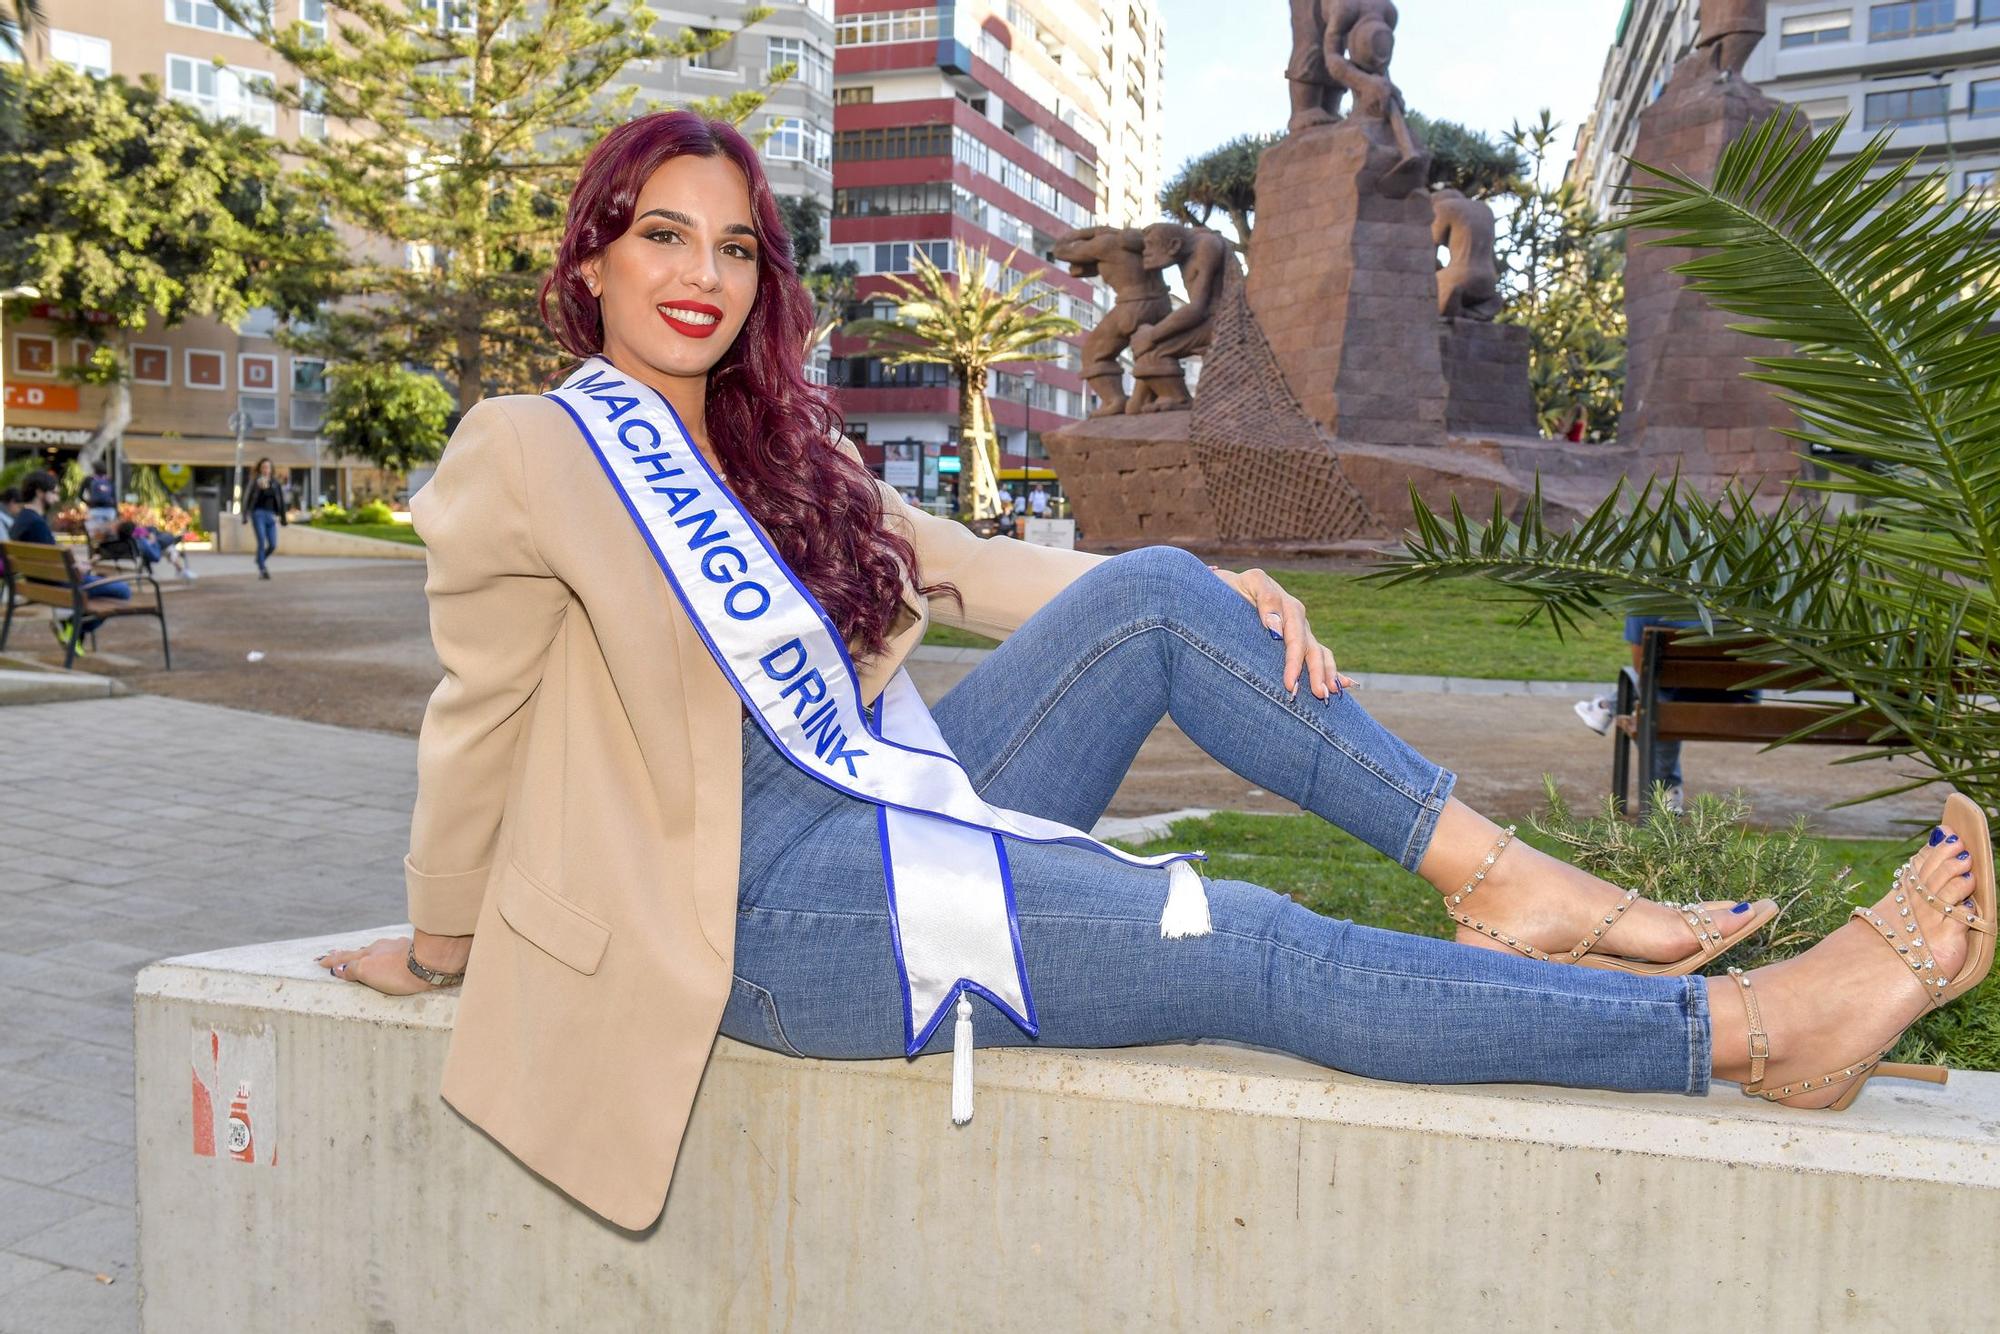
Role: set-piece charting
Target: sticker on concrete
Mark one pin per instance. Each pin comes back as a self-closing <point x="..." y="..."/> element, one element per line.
<point x="235" y="1094"/>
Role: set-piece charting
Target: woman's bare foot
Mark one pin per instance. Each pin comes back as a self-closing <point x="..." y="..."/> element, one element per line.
<point x="1549" y="905"/>
<point x="1844" y="1002"/>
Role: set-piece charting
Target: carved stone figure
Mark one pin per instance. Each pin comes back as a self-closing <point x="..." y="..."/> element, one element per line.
<point x="1114" y="254"/>
<point x="1157" y="349"/>
<point x="1730" y="31"/>
<point x="1345" y="46"/>
<point x="1468" y="286"/>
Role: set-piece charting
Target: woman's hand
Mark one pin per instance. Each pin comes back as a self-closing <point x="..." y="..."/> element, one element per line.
<point x="1285" y="616"/>
<point x="384" y="964"/>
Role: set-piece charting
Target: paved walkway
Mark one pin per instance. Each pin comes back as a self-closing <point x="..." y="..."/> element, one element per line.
<point x="257" y="828"/>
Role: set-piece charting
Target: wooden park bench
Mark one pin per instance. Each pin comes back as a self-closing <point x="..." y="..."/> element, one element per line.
<point x="1670" y="659"/>
<point x="49" y="576"/>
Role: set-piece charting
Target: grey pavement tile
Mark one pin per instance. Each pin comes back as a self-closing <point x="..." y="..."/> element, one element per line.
<point x="14" y="967"/>
<point x="105" y="954"/>
<point x="112" y="1179"/>
<point x="21" y="882"/>
<point x="83" y="984"/>
<point x="18" y="1047"/>
<point x="103" y="1239"/>
<point x="25" y="1210"/>
<point x="87" y="1064"/>
<point x="91" y="874"/>
<point x="43" y="1155"/>
<point x="16" y="1270"/>
<point x="71" y="1301"/>
<point x="57" y="1016"/>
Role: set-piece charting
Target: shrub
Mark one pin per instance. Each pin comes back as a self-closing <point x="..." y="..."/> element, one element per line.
<point x="374" y="511"/>
<point x="331" y="513"/>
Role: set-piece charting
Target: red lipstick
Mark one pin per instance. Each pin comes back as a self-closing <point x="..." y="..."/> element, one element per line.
<point x="693" y="329"/>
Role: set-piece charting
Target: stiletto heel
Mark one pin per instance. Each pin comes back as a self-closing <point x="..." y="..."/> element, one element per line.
<point x="1908" y="943"/>
<point x="1710" y="944"/>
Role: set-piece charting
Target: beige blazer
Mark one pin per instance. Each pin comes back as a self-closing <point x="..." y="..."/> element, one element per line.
<point x="579" y="795"/>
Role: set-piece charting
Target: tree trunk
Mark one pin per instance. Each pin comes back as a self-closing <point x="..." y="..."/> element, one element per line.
<point x="1240" y="219"/>
<point x="117" y="408"/>
<point x="977" y="449"/>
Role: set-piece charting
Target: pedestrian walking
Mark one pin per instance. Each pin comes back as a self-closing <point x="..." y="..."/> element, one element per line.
<point x="264" y="506"/>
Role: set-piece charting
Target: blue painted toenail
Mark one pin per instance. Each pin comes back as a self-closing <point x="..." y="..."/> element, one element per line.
<point x="1937" y="837"/>
<point x="1741" y="907"/>
<point x="1952" y="839"/>
<point x="1965" y="856"/>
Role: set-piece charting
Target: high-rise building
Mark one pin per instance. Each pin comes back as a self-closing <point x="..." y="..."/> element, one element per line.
<point x="1927" y="69"/>
<point x="950" y="125"/>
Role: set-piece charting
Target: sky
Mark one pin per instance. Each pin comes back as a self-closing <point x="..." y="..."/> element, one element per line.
<point x="1483" y="63"/>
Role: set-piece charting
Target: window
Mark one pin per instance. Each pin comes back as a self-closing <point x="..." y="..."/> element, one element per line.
<point x="260" y="411"/>
<point x="794" y="139"/>
<point x="85" y="55"/>
<point x="308" y="375"/>
<point x="1834" y="25"/>
<point x="312" y="13"/>
<point x="848" y="97"/>
<point x="222" y="92"/>
<point x="1979" y="184"/>
<point x="811" y="65"/>
<point x="895" y="141"/>
<point x="877" y="201"/>
<point x="1985" y="97"/>
<point x="1823" y="111"/>
<point x="718" y="59"/>
<point x="312" y="111"/>
<point x="1913" y="18"/>
<point x="1988" y="11"/>
<point x="201" y="14"/>
<point x="308" y="414"/>
<point x="151" y="364"/>
<point x="893" y="25"/>
<point x="202" y="369"/>
<point x="1910" y="106"/>
<point x="458" y="15"/>
<point x="257" y="372"/>
<point x="34" y="354"/>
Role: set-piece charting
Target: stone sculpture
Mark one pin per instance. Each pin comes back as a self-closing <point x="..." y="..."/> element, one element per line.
<point x="1345" y="46"/>
<point x="1157" y="349"/>
<point x="1469" y="285"/>
<point x="1730" y="31"/>
<point x="1115" y="254"/>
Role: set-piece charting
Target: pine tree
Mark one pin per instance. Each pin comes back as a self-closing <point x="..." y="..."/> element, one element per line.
<point x="454" y="131"/>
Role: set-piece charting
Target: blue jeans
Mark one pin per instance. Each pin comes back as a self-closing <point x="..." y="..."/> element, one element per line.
<point x="265" y="524"/>
<point x="1049" y="723"/>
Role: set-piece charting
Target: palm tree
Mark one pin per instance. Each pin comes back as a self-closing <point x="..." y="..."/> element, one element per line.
<point x="20" y="20"/>
<point x="961" y="322"/>
<point x="1881" y="579"/>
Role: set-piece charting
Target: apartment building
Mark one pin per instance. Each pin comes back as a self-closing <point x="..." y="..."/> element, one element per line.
<point x="1928" y="70"/>
<point x="943" y="134"/>
<point x="193" y="384"/>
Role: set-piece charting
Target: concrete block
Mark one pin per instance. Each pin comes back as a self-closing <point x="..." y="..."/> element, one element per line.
<point x="1178" y="1187"/>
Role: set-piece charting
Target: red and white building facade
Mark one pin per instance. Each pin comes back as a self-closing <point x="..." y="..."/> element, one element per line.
<point x="940" y="135"/>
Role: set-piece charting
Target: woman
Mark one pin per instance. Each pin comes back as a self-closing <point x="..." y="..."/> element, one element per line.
<point x="264" y="503"/>
<point x="643" y="860"/>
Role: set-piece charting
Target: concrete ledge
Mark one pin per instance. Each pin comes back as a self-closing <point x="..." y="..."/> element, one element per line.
<point x="1181" y="1187"/>
<point x="53" y="685"/>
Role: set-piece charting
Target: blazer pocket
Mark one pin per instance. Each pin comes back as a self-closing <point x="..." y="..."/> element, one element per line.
<point x="552" y="922"/>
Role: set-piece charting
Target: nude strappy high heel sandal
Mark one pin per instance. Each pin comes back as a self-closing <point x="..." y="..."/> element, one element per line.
<point x="1710" y="943"/>
<point x="1904" y="936"/>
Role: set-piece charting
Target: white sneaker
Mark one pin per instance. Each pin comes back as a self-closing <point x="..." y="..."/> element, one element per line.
<point x="1595" y="714"/>
<point x="1675" y="800"/>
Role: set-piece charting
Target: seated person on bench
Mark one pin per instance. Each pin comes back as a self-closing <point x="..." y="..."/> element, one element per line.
<point x="38" y="493"/>
<point x="1597" y="713"/>
<point x="156" y="545"/>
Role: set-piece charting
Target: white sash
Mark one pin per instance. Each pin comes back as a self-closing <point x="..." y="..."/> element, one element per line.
<point x="950" y="897"/>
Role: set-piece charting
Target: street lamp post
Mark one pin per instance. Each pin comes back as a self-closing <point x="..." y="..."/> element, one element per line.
<point x="239" y="421"/>
<point x="1028" y="429"/>
<point x="28" y="292"/>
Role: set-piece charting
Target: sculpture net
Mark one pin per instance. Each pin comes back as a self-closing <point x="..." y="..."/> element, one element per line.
<point x="1269" y="472"/>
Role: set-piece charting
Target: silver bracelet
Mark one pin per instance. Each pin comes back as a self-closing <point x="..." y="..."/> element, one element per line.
<point x="431" y="976"/>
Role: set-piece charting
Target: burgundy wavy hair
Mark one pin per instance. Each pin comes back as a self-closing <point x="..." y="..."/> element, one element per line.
<point x="772" y="429"/>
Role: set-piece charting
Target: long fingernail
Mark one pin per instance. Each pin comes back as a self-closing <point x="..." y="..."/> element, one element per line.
<point x="1741" y="907"/>
<point x="1275" y="635"/>
<point x="1937" y="837"/>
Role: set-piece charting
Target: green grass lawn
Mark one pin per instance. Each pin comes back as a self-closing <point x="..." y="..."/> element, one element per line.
<point x="1457" y="628"/>
<point x="1327" y="871"/>
<point x="384" y="532"/>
